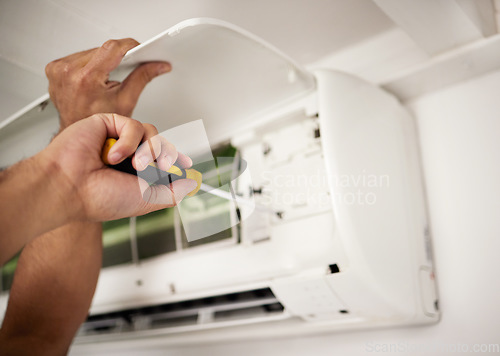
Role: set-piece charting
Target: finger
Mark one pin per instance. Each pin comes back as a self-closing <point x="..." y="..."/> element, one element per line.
<point x="168" y="155"/>
<point x="148" y="150"/>
<point x="150" y="130"/>
<point x="147" y="153"/>
<point x="109" y="55"/>
<point x="134" y="84"/>
<point x="83" y="57"/>
<point x="181" y="188"/>
<point x="183" y="161"/>
<point x="156" y="148"/>
<point x="129" y="133"/>
<point x="167" y="195"/>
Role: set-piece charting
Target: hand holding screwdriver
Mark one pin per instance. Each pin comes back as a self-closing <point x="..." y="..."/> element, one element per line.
<point x="152" y="173"/>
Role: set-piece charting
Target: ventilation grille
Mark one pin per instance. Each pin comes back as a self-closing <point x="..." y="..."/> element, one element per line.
<point x="222" y="310"/>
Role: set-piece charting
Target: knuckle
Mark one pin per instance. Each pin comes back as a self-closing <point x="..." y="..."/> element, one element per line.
<point x="150" y="128"/>
<point x="135" y="125"/>
<point x="147" y="74"/>
<point x="110" y="44"/>
<point x="121" y="46"/>
<point x="170" y="147"/>
<point x="65" y="68"/>
<point x="131" y="41"/>
<point x="99" y="117"/>
<point x="138" y="124"/>
<point x="58" y="68"/>
<point x="49" y="69"/>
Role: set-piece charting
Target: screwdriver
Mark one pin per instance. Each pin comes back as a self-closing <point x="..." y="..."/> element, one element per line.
<point x="152" y="174"/>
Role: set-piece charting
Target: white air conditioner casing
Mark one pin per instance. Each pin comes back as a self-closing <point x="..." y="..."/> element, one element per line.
<point x="353" y="246"/>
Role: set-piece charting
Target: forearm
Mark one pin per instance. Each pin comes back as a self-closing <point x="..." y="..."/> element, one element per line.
<point x="53" y="287"/>
<point x="34" y="199"/>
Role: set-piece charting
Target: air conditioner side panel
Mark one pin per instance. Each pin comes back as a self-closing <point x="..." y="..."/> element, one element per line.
<point x="371" y="155"/>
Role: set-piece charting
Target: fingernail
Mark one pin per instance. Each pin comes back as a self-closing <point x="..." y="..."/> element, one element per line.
<point x="164" y="68"/>
<point x="114" y="157"/>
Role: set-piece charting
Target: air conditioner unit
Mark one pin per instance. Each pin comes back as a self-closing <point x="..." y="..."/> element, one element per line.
<point x="336" y="156"/>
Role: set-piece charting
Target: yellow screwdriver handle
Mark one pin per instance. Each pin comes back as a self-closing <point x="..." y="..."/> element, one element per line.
<point x="190" y="173"/>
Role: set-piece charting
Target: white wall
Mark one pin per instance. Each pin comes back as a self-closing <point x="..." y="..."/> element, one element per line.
<point x="460" y="138"/>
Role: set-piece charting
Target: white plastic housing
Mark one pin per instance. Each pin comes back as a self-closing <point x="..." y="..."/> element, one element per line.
<point x="368" y="135"/>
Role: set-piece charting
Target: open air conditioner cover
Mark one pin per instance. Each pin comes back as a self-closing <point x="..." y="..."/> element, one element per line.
<point x="221" y="74"/>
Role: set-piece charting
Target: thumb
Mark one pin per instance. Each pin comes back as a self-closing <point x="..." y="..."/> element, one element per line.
<point x="134" y="84"/>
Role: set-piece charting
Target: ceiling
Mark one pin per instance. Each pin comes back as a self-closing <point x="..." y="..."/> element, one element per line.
<point x="34" y="32"/>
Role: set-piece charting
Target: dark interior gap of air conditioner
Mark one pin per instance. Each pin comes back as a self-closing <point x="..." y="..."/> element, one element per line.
<point x="203" y="311"/>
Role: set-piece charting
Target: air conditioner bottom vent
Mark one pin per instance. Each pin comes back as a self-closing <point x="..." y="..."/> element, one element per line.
<point x="220" y="310"/>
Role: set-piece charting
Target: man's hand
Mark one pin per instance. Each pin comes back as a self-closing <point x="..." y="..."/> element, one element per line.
<point x="79" y="84"/>
<point x="99" y="193"/>
<point x="68" y="181"/>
